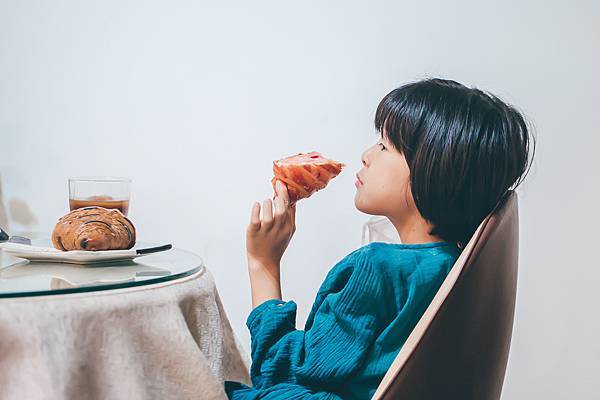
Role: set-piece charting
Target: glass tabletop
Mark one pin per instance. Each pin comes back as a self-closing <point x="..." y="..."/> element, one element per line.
<point x="20" y="278"/>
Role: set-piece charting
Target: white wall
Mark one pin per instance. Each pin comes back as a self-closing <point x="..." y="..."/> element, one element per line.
<point x="193" y="100"/>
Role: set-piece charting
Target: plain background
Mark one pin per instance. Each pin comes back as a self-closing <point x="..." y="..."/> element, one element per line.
<point x="194" y="100"/>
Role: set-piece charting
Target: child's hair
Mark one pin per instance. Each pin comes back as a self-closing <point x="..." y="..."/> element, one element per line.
<point x="464" y="147"/>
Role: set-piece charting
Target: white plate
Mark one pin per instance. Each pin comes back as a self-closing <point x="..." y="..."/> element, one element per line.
<point x="50" y="254"/>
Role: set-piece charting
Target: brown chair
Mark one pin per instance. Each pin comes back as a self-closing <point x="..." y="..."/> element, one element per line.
<point x="459" y="348"/>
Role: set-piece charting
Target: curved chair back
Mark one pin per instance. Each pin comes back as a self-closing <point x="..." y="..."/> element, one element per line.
<point x="459" y="348"/>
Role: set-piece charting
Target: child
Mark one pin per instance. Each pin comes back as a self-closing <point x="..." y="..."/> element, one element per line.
<point x="446" y="155"/>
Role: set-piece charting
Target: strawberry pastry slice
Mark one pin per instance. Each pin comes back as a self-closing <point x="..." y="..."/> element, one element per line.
<point x="305" y="173"/>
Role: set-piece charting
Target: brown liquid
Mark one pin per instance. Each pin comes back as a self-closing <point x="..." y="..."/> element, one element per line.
<point x="100" y="201"/>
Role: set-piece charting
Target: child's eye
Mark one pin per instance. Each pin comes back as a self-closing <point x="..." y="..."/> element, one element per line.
<point x="382" y="146"/>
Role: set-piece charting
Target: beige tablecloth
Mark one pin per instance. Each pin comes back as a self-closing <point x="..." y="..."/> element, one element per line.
<point x="165" y="341"/>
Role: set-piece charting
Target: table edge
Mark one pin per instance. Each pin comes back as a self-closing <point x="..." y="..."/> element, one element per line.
<point x="95" y="289"/>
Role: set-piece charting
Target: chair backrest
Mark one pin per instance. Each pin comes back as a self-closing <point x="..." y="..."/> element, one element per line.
<point x="459" y="348"/>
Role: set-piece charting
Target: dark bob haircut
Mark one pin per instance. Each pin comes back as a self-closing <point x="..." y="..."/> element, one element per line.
<point x="464" y="147"/>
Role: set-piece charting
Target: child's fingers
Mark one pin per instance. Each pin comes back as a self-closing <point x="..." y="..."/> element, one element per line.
<point x="282" y="192"/>
<point x="267" y="215"/>
<point x="255" y="217"/>
<point x="279" y="207"/>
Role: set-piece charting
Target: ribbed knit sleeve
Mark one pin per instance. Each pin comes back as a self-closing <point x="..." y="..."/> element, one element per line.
<point x="272" y="328"/>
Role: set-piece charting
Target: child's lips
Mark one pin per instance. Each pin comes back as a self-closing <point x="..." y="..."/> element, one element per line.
<point x="358" y="182"/>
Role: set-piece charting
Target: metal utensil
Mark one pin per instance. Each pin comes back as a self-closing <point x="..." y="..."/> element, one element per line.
<point x="5" y="237"/>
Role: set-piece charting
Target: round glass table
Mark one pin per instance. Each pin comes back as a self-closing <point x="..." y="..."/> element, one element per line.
<point x="22" y="278"/>
<point x="153" y="327"/>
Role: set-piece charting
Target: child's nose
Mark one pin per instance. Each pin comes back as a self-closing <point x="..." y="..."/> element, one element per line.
<point x="363" y="158"/>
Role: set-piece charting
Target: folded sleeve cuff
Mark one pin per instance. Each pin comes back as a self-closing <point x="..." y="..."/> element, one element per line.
<point x="268" y="307"/>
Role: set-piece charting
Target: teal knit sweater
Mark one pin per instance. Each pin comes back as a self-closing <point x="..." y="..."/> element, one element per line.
<point x="365" y="309"/>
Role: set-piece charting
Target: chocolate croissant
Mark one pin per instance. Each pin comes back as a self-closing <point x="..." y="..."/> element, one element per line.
<point x="94" y="228"/>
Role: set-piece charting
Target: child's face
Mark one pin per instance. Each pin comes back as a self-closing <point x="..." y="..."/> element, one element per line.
<point x="383" y="187"/>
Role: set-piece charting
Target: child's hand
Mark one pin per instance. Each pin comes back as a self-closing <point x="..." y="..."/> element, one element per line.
<point x="267" y="239"/>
